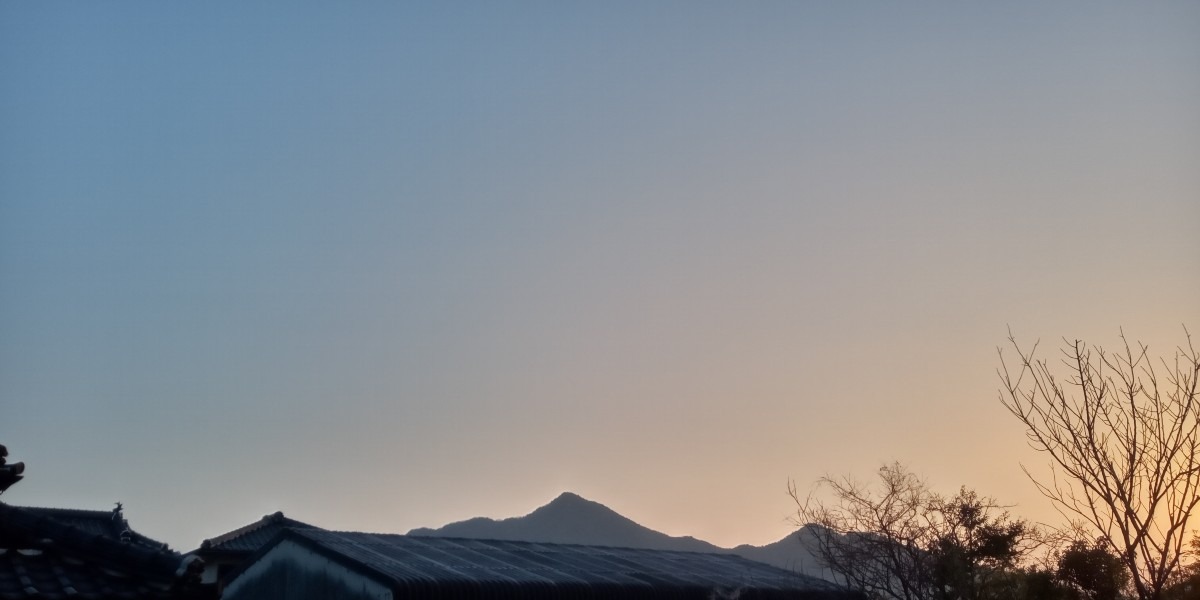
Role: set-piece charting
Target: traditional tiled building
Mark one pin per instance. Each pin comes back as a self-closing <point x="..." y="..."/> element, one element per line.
<point x="224" y="553"/>
<point x="53" y="553"/>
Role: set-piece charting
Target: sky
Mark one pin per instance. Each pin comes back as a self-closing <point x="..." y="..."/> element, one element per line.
<point x="390" y="265"/>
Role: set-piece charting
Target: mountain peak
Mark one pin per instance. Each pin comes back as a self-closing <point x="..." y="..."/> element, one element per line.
<point x="570" y="519"/>
<point x="572" y="501"/>
<point x="568" y="497"/>
<point x="571" y="508"/>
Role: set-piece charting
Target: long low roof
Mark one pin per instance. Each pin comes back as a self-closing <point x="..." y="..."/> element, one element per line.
<point x="435" y="566"/>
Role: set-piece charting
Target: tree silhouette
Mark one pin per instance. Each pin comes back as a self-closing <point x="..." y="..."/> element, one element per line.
<point x="898" y="540"/>
<point x="1122" y="433"/>
<point x="1093" y="571"/>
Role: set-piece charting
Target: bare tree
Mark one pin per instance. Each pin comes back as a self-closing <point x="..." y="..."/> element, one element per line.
<point x="898" y="540"/>
<point x="872" y="539"/>
<point x="1122" y="433"/>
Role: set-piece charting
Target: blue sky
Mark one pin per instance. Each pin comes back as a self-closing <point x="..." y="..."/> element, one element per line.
<point x="385" y="266"/>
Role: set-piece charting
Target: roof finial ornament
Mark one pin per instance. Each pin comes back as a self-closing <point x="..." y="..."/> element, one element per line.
<point x="9" y="474"/>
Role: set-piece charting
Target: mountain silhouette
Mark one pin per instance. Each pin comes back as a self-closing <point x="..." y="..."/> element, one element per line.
<point x="571" y="519"/>
<point x="791" y="553"/>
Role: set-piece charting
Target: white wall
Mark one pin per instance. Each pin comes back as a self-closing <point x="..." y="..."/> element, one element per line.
<point x="300" y="565"/>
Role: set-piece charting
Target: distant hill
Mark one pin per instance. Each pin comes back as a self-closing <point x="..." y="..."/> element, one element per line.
<point x="789" y="553"/>
<point x="571" y="519"/>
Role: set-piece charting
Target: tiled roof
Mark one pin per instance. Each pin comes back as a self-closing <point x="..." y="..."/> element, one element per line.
<point x="111" y="524"/>
<point x="42" y="557"/>
<point x="250" y="538"/>
<point x="424" y="565"/>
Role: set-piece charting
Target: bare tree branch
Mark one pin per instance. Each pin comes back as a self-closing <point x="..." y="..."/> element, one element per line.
<point x="1122" y="435"/>
<point x="897" y="540"/>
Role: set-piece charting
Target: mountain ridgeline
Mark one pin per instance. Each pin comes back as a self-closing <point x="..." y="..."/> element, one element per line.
<point x="571" y="519"/>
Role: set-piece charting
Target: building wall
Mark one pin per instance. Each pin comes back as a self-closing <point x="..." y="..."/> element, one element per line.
<point x="290" y="571"/>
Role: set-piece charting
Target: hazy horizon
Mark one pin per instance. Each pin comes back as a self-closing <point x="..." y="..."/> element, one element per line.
<point x="390" y="266"/>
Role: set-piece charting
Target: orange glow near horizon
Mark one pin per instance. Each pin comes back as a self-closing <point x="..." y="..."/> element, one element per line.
<point x="386" y="267"/>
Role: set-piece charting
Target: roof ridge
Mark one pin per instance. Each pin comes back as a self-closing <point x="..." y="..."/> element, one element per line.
<point x="114" y="520"/>
<point x="276" y="517"/>
<point x="72" y="511"/>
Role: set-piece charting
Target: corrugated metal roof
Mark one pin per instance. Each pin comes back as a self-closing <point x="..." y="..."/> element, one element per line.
<point x="452" y="566"/>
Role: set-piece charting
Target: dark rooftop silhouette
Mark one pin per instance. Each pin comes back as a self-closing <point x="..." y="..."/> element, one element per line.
<point x="56" y="553"/>
<point x="415" y="566"/>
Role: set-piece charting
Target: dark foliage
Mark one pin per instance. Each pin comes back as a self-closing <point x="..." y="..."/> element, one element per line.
<point x="1093" y="571"/>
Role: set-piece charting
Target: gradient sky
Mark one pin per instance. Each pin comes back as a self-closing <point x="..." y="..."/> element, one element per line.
<point x="389" y="265"/>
